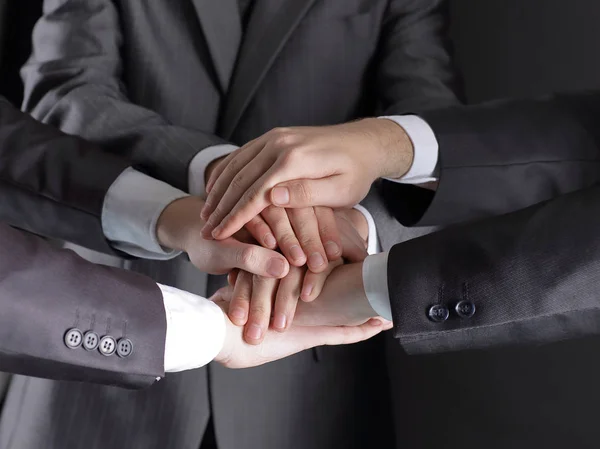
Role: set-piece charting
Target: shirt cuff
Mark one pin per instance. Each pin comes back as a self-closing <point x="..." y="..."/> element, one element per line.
<point x="375" y="283"/>
<point x="426" y="150"/>
<point x="195" y="330"/>
<point x="197" y="168"/>
<point x="131" y="209"/>
<point x="373" y="246"/>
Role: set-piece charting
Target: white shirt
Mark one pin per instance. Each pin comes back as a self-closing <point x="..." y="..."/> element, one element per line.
<point x="191" y="318"/>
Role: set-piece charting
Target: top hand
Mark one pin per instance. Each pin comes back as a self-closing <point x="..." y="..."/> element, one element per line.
<point x="330" y="166"/>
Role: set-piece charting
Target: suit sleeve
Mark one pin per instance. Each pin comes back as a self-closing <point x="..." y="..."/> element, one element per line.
<point x="533" y="276"/>
<point x="414" y="71"/>
<point x="53" y="184"/>
<point x="503" y="156"/>
<point x="45" y="292"/>
<point x="73" y="81"/>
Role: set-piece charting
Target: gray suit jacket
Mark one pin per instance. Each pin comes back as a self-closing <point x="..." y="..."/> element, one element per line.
<point x="48" y="183"/>
<point x="166" y="79"/>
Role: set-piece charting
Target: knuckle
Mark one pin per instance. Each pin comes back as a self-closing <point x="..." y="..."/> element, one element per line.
<point x="302" y="192"/>
<point x="238" y="182"/>
<point x="258" y="309"/>
<point x="252" y="194"/>
<point x="247" y="257"/>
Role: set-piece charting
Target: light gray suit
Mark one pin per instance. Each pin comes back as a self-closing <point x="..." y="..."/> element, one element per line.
<point x="170" y="78"/>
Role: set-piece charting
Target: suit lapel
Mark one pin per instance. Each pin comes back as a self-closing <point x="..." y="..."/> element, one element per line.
<point x="220" y="21"/>
<point x="271" y="25"/>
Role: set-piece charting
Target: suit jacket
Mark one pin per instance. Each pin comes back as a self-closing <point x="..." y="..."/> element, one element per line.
<point x="168" y="79"/>
<point x="531" y="274"/>
<point x="54" y="184"/>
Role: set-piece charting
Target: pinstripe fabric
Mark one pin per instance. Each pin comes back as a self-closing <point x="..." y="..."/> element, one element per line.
<point x="146" y="80"/>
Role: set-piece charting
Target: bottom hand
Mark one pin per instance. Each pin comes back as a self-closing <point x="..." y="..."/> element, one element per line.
<point x="276" y="345"/>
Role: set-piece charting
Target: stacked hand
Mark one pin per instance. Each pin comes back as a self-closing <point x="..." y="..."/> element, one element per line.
<point x="277" y="193"/>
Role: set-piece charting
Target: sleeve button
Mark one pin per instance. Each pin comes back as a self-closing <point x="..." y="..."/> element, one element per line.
<point x="124" y="347"/>
<point x="73" y="338"/>
<point x="90" y="341"/>
<point x="107" y="346"/>
<point x="438" y="313"/>
<point x="465" y="309"/>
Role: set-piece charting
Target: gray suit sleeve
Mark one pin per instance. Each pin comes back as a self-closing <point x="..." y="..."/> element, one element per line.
<point x="533" y="276"/>
<point x="45" y="292"/>
<point x="73" y="81"/>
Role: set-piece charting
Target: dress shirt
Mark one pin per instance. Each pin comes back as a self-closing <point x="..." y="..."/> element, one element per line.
<point x="195" y="330"/>
<point x="133" y="229"/>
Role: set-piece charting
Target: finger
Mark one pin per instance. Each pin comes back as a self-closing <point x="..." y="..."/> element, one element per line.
<point x="306" y="227"/>
<point x="311" y="192"/>
<point x="224" y="294"/>
<point x="232" y="277"/>
<point x="287" y="299"/>
<point x="252" y="258"/>
<point x="263" y="296"/>
<point x="329" y="232"/>
<point x="232" y="175"/>
<point x="261" y="231"/>
<point x="240" y="300"/>
<point x="314" y="282"/>
<point x="278" y="220"/>
<point x="219" y="168"/>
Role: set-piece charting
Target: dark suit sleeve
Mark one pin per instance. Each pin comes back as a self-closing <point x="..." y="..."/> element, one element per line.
<point x="503" y="156"/>
<point x="533" y="276"/>
<point x="53" y="184"/>
<point x="44" y="292"/>
<point x="73" y="81"/>
<point x="414" y="71"/>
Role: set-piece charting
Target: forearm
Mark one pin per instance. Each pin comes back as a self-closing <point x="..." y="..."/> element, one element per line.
<point x="531" y="276"/>
<point x="46" y="292"/>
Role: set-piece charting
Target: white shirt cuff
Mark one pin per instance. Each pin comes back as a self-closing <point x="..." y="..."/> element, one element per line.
<point x="131" y="209"/>
<point x="426" y="150"/>
<point x="375" y="281"/>
<point x="197" y="168"/>
<point x="195" y="330"/>
<point x="373" y="246"/>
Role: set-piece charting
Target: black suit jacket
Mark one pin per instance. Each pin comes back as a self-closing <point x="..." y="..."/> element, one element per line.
<point x="54" y="184"/>
<point x="532" y="274"/>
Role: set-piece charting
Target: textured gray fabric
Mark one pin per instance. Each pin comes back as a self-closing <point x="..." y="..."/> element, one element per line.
<point x="151" y="80"/>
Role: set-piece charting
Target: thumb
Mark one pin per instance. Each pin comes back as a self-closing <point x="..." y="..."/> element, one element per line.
<point x="254" y="259"/>
<point x="309" y="193"/>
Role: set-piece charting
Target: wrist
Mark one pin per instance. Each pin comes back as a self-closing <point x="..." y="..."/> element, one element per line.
<point x="178" y="221"/>
<point x="395" y="147"/>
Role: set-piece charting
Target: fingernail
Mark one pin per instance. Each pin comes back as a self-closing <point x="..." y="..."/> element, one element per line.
<point x="276" y="267"/>
<point x="332" y="249"/>
<point x="270" y="241"/>
<point x="239" y="314"/>
<point x="315" y="260"/>
<point x="374" y="322"/>
<point x="307" y="290"/>
<point x="281" y="196"/>
<point x="254" y="332"/>
<point x="280" y="321"/>
<point x="217" y="231"/>
<point x="297" y="253"/>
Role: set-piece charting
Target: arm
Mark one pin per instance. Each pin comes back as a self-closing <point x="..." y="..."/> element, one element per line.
<point x="45" y="292"/>
<point x="73" y="81"/>
<point x="53" y="184"/>
<point x="502" y="156"/>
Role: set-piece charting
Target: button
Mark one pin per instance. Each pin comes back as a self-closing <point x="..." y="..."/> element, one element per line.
<point x="465" y="309"/>
<point x="90" y="341"/>
<point x="73" y="338"/>
<point x="107" y="345"/>
<point x="438" y="313"/>
<point x="124" y="347"/>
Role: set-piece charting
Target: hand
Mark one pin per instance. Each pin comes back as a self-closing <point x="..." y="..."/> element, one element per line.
<point x="330" y="166"/>
<point x="254" y="297"/>
<point x="276" y="345"/>
<point x="179" y="226"/>
<point x="342" y="302"/>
